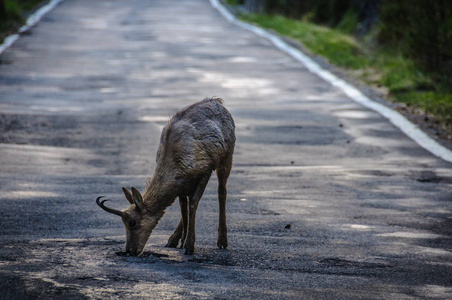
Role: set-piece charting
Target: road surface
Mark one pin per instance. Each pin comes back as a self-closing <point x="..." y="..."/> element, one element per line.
<point x="327" y="199"/>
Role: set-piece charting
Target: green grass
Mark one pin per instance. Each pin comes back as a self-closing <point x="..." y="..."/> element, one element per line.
<point x="349" y="22"/>
<point x="380" y="67"/>
<point x="233" y="2"/>
<point x="339" y="48"/>
<point x="28" y="5"/>
<point x="13" y="12"/>
<point x="15" y="15"/>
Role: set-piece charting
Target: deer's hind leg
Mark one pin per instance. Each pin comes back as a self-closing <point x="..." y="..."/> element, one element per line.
<point x="181" y="230"/>
<point x="223" y="174"/>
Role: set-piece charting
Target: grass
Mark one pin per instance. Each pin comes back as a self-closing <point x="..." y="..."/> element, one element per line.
<point x="15" y="15"/>
<point x="233" y="2"/>
<point x="381" y="67"/>
<point x="339" y="48"/>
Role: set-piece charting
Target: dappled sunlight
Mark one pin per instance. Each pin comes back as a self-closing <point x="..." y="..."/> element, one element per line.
<point x="38" y="159"/>
<point x="402" y="246"/>
<point x="139" y="101"/>
<point x="141" y="290"/>
<point x="359" y="227"/>
<point x="153" y="119"/>
<point x="323" y="97"/>
<point x="26" y="190"/>
<point x="29" y="195"/>
<point x="159" y="121"/>
<point x="356" y="114"/>
<point x="434" y="251"/>
<point x="411" y="235"/>
<point x="431" y="291"/>
<point x="109" y="90"/>
<point x="56" y="109"/>
<point x="94" y="23"/>
<point x="242" y="59"/>
<point x="241" y="86"/>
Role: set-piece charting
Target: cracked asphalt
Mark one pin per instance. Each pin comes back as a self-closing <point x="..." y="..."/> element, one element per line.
<point x="327" y="200"/>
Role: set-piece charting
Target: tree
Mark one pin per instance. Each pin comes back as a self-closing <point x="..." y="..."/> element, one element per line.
<point x="2" y="10"/>
<point x="422" y="29"/>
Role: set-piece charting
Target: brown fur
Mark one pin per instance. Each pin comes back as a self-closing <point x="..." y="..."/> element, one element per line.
<point x="197" y="140"/>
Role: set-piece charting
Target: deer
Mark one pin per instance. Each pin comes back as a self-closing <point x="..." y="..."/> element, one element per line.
<point x="196" y="141"/>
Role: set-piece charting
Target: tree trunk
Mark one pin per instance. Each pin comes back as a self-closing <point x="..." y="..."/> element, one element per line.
<point x="254" y="5"/>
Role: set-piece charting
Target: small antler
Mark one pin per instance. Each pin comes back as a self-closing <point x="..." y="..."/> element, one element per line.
<point x="107" y="209"/>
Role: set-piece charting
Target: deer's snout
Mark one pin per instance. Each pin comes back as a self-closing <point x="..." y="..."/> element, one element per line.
<point x="131" y="247"/>
<point x="134" y="249"/>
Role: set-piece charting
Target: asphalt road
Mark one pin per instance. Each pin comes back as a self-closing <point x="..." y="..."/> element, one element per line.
<point x="327" y="199"/>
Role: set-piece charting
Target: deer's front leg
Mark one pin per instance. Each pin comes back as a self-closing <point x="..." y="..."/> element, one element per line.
<point x="181" y="230"/>
<point x="189" y="244"/>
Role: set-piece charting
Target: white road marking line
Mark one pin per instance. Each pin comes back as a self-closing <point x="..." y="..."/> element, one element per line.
<point x="398" y="120"/>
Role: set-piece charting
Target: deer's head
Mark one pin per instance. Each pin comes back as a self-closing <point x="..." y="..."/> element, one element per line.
<point x="139" y="222"/>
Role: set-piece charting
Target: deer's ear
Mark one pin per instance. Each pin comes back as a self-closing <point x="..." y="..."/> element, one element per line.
<point x="128" y="195"/>
<point x="138" y="199"/>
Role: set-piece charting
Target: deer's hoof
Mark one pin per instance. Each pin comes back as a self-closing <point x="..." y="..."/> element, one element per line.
<point x="188" y="252"/>
<point x="222" y="245"/>
<point x="171" y="245"/>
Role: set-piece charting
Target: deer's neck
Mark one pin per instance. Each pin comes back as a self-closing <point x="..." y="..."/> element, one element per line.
<point x="160" y="193"/>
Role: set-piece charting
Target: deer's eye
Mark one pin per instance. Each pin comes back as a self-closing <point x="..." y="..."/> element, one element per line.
<point x="132" y="223"/>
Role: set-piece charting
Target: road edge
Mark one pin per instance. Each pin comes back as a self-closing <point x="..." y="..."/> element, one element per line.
<point x="31" y="21"/>
<point x="397" y="119"/>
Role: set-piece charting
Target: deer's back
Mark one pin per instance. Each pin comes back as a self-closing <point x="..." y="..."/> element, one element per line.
<point x="198" y="138"/>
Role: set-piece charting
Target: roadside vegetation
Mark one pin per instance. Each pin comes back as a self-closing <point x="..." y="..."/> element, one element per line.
<point x="405" y="53"/>
<point x="13" y="14"/>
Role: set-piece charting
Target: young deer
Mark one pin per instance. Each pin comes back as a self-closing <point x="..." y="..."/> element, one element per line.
<point x="199" y="139"/>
